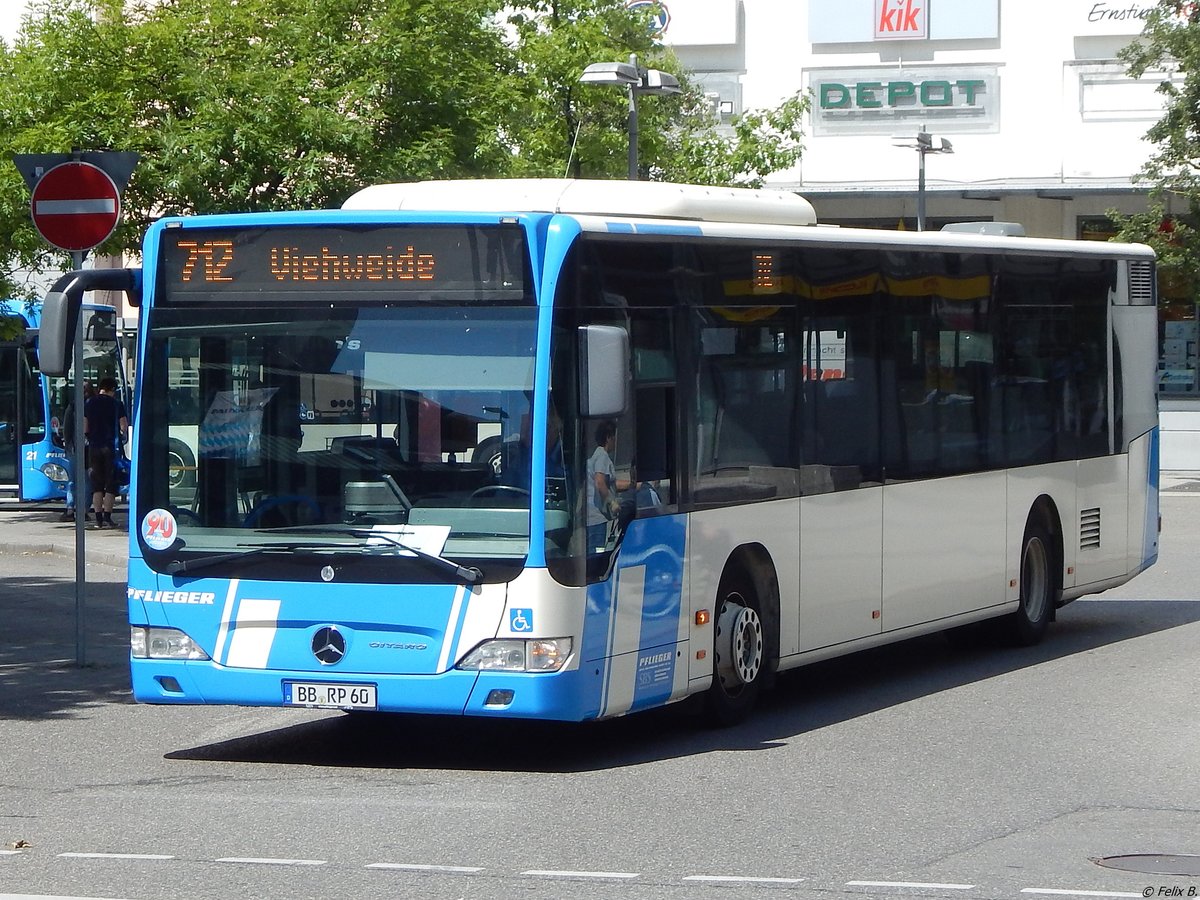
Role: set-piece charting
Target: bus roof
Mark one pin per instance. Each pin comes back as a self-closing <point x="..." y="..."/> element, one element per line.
<point x="30" y="313"/>
<point x="626" y="199"/>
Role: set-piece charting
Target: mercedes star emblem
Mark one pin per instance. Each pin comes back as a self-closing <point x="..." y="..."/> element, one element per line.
<point x="328" y="645"/>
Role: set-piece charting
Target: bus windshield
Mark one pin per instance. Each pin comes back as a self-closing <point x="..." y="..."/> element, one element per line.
<point x="340" y="430"/>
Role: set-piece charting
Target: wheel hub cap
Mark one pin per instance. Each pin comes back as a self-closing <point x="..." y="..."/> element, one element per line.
<point x="739" y="644"/>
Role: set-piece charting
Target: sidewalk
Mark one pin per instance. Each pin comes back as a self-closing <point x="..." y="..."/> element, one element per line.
<point x="1179" y="482"/>
<point x="36" y="528"/>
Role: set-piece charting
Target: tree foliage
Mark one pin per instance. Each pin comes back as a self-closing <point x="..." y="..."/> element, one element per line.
<point x="1170" y="47"/>
<point x="245" y="105"/>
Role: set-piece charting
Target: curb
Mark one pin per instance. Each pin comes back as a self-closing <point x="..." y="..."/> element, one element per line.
<point x="93" y="557"/>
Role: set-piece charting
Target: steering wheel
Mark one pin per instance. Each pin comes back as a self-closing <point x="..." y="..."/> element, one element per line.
<point x="277" y="500"/>
<point x="497" y="491"/>
<point x="182" y="512"/>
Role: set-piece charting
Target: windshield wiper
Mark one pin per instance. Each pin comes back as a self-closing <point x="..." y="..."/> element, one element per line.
<point x="180" y="566"/>
<point x="468" y="574"/>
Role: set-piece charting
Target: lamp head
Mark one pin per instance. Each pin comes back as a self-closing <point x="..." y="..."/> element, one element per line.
<point x="619" y="73"/>
<point x="656" y="82"/>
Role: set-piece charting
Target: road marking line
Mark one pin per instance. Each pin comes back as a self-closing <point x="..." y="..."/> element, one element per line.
<point x="743" y="879"/>
<point x="911" y="884"/>
<point x="11" y="852"/>
<point x="558" y="873"/>
<point x="267" y="861"/>
<point x="1056" y="892"/>
<point x="413" y="867"/>
<point x="114" y="856"/>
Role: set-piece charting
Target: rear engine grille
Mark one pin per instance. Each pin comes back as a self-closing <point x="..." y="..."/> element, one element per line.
<point x="1089" y="529"/>
<point x="1141" y="284"/>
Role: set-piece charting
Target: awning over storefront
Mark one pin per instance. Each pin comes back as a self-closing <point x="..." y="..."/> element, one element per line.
<point x="1047" y="188"/>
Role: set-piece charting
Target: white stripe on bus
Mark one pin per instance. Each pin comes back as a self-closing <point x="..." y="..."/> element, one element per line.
<point x="252" y="639"/>
<point x="629" y="600"/>
<point x="451" y="628"/>
<point x="226" y="615"/>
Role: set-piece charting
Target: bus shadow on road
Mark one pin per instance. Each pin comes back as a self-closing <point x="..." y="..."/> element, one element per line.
<point x="803" y="702"/>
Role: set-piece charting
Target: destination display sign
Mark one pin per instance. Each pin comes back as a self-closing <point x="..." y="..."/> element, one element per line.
<point x="322" y="263"/>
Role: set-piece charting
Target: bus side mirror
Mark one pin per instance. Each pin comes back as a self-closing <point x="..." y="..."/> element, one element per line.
<point x="56" y="336"/>
<point x="60" y="312"/>
<point x="603" y="370"/>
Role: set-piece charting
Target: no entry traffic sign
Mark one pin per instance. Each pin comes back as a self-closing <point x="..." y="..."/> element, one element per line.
<point x="75" y="206"/>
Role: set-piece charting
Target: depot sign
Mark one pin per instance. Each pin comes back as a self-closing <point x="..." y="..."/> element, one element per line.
<point x="887" y="101"/>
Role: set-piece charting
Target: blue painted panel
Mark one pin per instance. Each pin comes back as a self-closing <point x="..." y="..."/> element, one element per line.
<point x="282" y="634"/>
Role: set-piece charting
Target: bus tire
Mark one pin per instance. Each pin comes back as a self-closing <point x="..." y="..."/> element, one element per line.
<point x="490" y="451"/>
<point x="183" y="465"/>
<point x="1027" y="626"/>
<point x="740" y="651"/>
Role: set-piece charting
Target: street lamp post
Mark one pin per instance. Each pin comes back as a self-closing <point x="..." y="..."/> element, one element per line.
<point x="925" y="143"/>
<point x="635" y="80"/>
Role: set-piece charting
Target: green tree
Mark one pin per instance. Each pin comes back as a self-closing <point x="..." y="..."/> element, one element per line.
<point x="1170" y="46"/>
<point x="246" y="105"/>
<point x="762" y="142"/>
<point x="568" y="128"/>
<point x="562" y="127"/>
<point x="253" y="105"/>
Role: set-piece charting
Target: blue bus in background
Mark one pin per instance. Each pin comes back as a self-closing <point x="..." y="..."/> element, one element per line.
<point x="35" y="464"/>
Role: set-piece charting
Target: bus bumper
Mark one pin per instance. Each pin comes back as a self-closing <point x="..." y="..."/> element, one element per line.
<point x="541" y="695"/>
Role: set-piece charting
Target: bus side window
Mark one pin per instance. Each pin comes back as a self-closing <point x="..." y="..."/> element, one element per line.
<point x="654" y="412"/>
<point x="746" y="442"/>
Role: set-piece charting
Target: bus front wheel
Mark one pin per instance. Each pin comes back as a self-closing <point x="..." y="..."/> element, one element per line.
<point x="739" y="655"/>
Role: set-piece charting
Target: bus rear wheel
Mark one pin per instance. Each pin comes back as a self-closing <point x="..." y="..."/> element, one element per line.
<point x="182" y="465"/>
<point x="739" y="656"/>
<point x="1027" y="626"/>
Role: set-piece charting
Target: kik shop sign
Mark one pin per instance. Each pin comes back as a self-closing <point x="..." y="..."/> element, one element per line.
<point x="889" y="100"/>
<point x="868" y="21"/>
<point x="897" y="20"/>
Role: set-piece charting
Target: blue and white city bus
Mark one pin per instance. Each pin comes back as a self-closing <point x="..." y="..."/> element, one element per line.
<point x="832" y="439"/>
<point x="37" y="466"/>
<point x="25" y="442"/>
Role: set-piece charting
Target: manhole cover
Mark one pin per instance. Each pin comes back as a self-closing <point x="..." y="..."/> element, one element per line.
<point x="1153" y="863"/>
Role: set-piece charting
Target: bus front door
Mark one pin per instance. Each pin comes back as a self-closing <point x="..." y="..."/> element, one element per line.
<point x="10" y="441"/>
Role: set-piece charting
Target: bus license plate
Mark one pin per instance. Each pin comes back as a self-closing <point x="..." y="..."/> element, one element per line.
<point x="327" y="694"/>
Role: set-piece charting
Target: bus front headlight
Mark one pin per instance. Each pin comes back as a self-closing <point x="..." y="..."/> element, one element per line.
<point x="55" y="473"/>
<point x="509" y="655"/>
<point x="162" y="643"/>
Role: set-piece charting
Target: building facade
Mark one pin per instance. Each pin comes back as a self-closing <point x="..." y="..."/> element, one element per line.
<point x="1045" y="126"/>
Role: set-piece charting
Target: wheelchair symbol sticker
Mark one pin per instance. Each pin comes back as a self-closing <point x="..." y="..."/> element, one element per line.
<point x="520" y="619"/>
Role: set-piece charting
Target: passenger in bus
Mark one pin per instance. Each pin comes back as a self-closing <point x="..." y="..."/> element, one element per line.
<point x="603" y="487"/>
<point x="517" y="467"/>
<point x="104" y="423"/>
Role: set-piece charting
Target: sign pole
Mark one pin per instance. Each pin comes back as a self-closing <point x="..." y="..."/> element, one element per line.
<point x="75" y="204"/>
<point x="79" y="469"/>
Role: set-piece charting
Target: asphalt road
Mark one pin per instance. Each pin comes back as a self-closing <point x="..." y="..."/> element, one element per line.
<point x="914" y="770"/>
